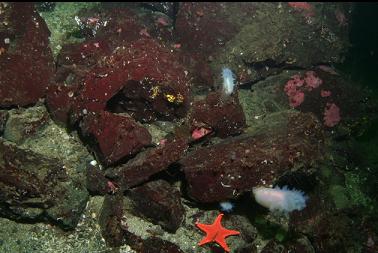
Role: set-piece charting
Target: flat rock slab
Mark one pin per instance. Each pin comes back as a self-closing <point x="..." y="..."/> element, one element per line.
<point x="159" y="202"/>
<point x="42" y="169"/>
<point x="34" y="188"/>
<point x="110" y="220"/>
<point x="223" y="171"/>
<point x="117" y="136"/>
<point x="147" y="163"/>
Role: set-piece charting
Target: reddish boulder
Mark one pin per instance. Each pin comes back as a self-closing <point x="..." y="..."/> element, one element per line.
<point x="97" y="183"/>
<point x="148" y="163"/>
<point x="26" y="60"/>
<point x="86" y="53"/>
<point x="108" y="29"/>
<point x="123" y="25"/>
<point x="225" y="170"/>
<point x="76" y="60"/>
<point x="205" y="27"/>
<point x="149" y="80"/>
<point x="159" y="202"/>
<point x="222" y="114"/>
<point x="117" y="136"/>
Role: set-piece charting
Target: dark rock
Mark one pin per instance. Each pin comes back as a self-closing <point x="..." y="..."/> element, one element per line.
<point x="31" y="128"/>
<point x="335" y="232"/>
<point x="111" y="220"/>
<point x="159" y="202"/>
<point x="302" y="244"/>
<point x="117" y="136"/>
<point x="59" y="100"/>
<point x="97" y="183"/>
<point x="264" y="45"/>
<point x="148" y="163"/>
<point x="203" y="29"/>
<point x="247" y="249"/>
<point x="355" y="105"/>
<point x="222" y="114"/>
<point x="328" y="229"/>
<point x="24" y="123"/>
<point x="3" y="120"/>
<point x="26" y="60"/>
<point x="248" y="233"/>
<point x="271" y="95"/>
<point x="225" y="170"/>
<point x="61" y="160"/>
<point x="272" y="247"/>
<point x="34" y="187"/>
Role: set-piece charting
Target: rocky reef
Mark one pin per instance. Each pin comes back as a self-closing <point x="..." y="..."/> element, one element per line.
<point x="115" y="134"/>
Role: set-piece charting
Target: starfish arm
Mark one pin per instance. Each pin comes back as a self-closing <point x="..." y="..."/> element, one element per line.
<point x="205" y="240"/>
<point x="227" y="232"/>
<point x="222" y="242"/>
<point x="203" y="227"/>
<point x="217" y="221"/>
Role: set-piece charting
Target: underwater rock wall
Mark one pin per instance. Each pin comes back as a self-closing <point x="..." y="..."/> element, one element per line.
<point x="128" y="105"/>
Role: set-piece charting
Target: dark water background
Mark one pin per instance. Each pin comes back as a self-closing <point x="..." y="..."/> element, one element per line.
<point x="361" y="65"/>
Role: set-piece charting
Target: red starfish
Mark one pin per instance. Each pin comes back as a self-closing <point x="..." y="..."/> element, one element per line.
<point x="216" y="233"/>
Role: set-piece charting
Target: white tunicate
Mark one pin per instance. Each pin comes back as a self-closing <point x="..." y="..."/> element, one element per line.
<point x="280" y="199"/>
<point x="228" y="81"/>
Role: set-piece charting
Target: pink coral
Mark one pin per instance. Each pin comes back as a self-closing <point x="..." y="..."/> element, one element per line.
<point x="331" y="115"/>
<point x="296" y="97"/>
<point x="312" y="81"/>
